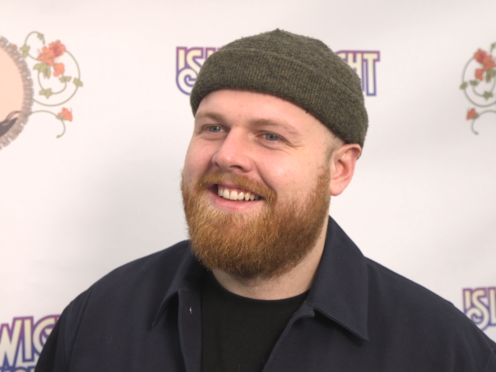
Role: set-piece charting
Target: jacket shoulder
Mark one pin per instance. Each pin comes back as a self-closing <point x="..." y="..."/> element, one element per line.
<point x="142" y="277"/>
<point x="160" y="265"/>
<point x="414" y="316"/>
<point x="120" y="305"/>
<point x="132" y="291"/>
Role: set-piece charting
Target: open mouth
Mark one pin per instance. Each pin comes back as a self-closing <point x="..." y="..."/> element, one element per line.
<point x="236" y="194"/>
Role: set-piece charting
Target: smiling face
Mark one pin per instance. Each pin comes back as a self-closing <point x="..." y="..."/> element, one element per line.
<point x="256" y="183"/>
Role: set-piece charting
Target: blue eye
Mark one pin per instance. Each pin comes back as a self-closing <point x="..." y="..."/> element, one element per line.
<point x="271" y="137"/>
<point x="214" y="129"/>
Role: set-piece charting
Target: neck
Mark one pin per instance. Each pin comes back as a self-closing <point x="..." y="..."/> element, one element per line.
<point x="292" y="283"/>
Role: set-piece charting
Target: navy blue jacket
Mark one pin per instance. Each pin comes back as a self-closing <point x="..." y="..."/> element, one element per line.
<point x="358" y="317"/>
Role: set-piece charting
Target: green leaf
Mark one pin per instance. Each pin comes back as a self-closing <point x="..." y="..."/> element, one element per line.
<point x="78" y="83"/>
<point x="493" y="45"/>
<point x="25" y="50"/>
<point x="41" y="37"/>
<point x="43" y="68"/>
<point x="65" y="79"/>
<point x="488" y="95"/>
<point x="474" y="83"/>
<point x="490" y="74"/>
<point x="46" y="92"/>
<point x="464" y="85"/>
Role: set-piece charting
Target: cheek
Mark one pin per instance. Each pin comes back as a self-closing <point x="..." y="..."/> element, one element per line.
<point x="291" y="178"/>
<point x="284" y="177"/>
<point x="198" y="160"/>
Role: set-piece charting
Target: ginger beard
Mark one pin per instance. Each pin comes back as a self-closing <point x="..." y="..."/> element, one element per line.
<point x="248" y="245"/>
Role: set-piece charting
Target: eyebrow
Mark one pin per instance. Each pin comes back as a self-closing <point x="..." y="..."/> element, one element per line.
<point x="209" y="115"/>
<point x="274" y="123"/>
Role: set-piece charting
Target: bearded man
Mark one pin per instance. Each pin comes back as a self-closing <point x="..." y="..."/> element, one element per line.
<point x="268" y="281"/>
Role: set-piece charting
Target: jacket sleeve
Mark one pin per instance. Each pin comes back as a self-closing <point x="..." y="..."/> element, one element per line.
<point x="53" y="356"/>
<point x="492" y="364"/>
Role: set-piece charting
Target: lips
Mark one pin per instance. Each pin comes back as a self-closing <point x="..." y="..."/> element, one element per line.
<point x="236" y="194"/>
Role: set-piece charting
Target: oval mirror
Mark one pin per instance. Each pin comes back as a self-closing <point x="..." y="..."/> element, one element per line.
<point x="16" y="92"/>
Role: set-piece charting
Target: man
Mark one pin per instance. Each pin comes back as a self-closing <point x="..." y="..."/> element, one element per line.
<point x="267" y="282"/>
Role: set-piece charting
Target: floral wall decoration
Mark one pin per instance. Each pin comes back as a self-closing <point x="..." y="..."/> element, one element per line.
<point x="36" y="78"/>
<point x="478" y="84"/>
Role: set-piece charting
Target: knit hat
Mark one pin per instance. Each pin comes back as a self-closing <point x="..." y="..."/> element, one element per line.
<point x="296" y="68"/>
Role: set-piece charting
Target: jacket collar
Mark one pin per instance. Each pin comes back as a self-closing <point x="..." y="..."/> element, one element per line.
<point x="339" y="291"/>
<point x="340" y="287"/>
<point x="187" y="278"/>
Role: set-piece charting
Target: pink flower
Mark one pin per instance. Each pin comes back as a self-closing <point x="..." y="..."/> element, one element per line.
<point x="479" y="74"/>
<point x="50" y="53"/>
<point x="57" y="48"/>
<point x="59" y="69"/>
<point x="65" y="114"/>
<point x="472" y="114"/>
<point x="488" y="62"/>
<point x="480" y="55"/>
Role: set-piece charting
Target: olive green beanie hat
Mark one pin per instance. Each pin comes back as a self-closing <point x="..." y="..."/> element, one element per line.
<point x="296" y="68"/>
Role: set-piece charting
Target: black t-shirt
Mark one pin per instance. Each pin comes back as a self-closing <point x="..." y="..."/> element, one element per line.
<point x="239" y="333"/>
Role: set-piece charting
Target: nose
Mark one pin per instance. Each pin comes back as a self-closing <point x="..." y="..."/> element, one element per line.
<point x="234" y="153"/>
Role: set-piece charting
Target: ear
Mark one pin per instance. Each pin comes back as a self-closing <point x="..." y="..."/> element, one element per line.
<point x="343" y="162"/>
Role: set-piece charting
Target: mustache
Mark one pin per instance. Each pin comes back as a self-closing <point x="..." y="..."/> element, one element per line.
<point x="242" y="182"/>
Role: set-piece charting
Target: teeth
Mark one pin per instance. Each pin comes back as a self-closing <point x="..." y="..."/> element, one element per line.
<point x="235" y="195"/>
<point x="225" y="194"/>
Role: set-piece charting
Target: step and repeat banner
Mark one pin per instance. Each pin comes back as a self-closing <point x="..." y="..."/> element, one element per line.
<point x="95" y="122"/>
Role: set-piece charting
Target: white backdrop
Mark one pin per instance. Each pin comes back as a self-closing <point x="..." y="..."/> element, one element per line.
<point x="73" y="208"/>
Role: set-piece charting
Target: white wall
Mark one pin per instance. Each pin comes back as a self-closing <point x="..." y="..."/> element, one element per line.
<point x="107" y="192"/>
